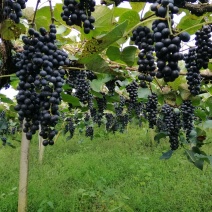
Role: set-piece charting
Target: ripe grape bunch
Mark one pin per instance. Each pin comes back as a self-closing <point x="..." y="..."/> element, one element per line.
<point x="167" y="45"/>
<point x="151" y="109"/>
<point x="89" y="132"/>
<point x="132" y="89"/>
<point x="12" y="9"/>
<point x="171" y="122"/>
<point x="143" y="38"/>
<point x="203" y="46"/>
<point x="79" y="13"/>
<point x="41" y="81"/>
<point x="187" y="111"/>
<point x="193" y="75"/>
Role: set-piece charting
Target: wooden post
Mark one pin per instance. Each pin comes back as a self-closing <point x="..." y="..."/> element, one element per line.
<point x="41" y="147"/>
<point x="23" y="177"/>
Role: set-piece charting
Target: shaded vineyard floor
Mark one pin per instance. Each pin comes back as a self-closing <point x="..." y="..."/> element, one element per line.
<point x="120" y="172"/>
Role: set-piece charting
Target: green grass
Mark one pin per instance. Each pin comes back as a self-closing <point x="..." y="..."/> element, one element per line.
<point x="110" y="173"/>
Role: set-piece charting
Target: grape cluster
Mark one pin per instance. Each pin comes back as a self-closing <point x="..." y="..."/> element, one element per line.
<point x="89" y="132"/>
<point x="41" y="81"/>
<point x="101" y="104"/>
<point x="187" y="111"/>
<point x="12" y="9"/>
<point x="193" y="76"/>
<point x="174" y="132"/>
<point x="82" y="87"/>
<point x="111" y="86"/>
<point x="123" y="120"/>
<point x="168" y="114"/>
<point x="167" y="45"/>
<point x="203" y="46"/>
<point x="4" y="140"/>
<point x="78" y="81"/>
<point x="143" y="38"/>
<point x="132" y="89"/>
<point x="70" y="127"/>
<point x="151" y="109"/>
<point x="2" y="114"/>
<point x="79" y="12"/>
<point x="109" y="121"/>
<point x="119" y="107"/>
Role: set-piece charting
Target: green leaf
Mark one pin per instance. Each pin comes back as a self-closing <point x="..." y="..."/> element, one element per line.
<point x="103" y="19"/>
<point x="113" y="53"/>
<point x="206" y="158"/>
<point x="132" y="17"/>
<point x="190" y="155"/>
<point x="57" y="12"/>
<point x="207" y="124"/>
<point x="5" y="99"/>
<point x="118" y="11"/>
<point x="96" y="94"/>
<point x="143" y="93"/>
<point x="166" y="155"/>
<point x="97" y="84"/>
<point x="190" y="20"/>
<point x="184" y="94"/>
<point x="98" y="64"/>
<point x="137" y="6"/>
<point x="43" y="18"/>
<point x="160" y="135"/>
<point x="199" y="164"/>
<point x="201" y="114"/>
<point x="42" y="21"/>
<point x="196" y="100"/>
<point x="3" y="125"/>
<point x="70" y="99"/>
<point x="11" y="30"/>
<point x="208" y="103"/>
<point x="175" y="85"/>
<point x="95" y="46"/>
<point x="128" y="55"/>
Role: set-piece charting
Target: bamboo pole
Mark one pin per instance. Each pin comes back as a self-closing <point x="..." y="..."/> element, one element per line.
<point x="23" y="176"/>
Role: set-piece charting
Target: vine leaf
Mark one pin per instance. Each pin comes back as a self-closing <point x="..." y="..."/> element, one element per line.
<point x="96" y="46"/>
<point x="207" y="124"/>
<point x="132" y="17"/>
<point x="166" y="155"/>
<point x="160" y="135"/>
<point x="113" y="53"/>
<point x="128" y="55"/>
<point x="103" y="19"/>
<point x="43" y="18"/>
<point x="98" y="64"/>
<point x="143" y="93"/>
<point x="137" y="6"/>
<point x="70" y="99"/>
<point x="190" y="20"/>
<point x="11" y="30"/>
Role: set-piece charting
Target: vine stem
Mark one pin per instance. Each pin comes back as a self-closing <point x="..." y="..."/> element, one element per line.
<point x="51" y="11"/>
<point x="193" y="27"/>
<point x="168" y="20"/>
<point x="156" y="80"/>
<point x="150" y="87"/>
<point x="143" y="11"/>
<point x="142" y="22"/>
<point x="36" y="8"/>
<point x="9" y="75"/>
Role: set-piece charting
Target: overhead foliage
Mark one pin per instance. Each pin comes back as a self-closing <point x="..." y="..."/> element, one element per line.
<point x="122" y="66"/>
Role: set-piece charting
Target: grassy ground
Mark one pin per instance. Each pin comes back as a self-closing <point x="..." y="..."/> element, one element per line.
<point x="110" y="173"/>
